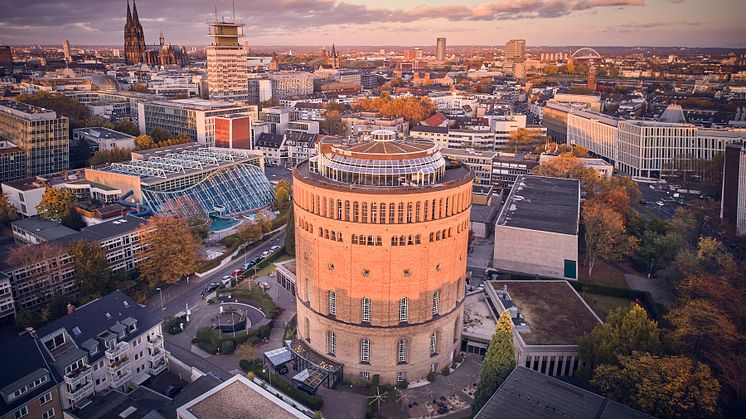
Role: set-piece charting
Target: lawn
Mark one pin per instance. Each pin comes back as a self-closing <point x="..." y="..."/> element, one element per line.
<point x="603" y="304"/>
<point x="265" y="271"/>
<point x="603" y="274"/>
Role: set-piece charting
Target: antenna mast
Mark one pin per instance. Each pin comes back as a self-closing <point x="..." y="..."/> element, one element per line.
<point x="234" y="11"/>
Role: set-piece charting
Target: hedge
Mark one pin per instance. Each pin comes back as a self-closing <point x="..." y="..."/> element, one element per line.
<point x="656" y="311"/>
<point x="210" y="264"/>
<point x="256" y="295"/>
<point x="312" y="402"/>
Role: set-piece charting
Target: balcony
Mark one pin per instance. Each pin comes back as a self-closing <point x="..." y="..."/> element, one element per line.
<point x="81" y="392"/>
<point x="78" y="376"/>
<point x="117" y="350"/>
<point x="156" y="342"/>
<point x="156" y="354"/>
<point x="121" y="364"/>
<point x="157" y="368"/>
<point x="117" y="381"/>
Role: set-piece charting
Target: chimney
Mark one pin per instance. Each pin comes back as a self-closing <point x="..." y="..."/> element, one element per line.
<point x="31" y="332"/>
<point x="70" y="308"/>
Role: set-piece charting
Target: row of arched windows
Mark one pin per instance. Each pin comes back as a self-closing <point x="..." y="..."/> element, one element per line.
<point x="331" y="235"/>
<point x="367" y="240"/>
<point x="401" y="348"/>
<point x="385" y="212"/>
<point x="440" y="235"/>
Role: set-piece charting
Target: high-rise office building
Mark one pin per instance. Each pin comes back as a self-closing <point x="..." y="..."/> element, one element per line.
<point x="592" y="77"/>
<point x="440" y="49"/>
<point x="515" y="50"/>
<point x="382" y="228"/>
<point x="6" y="61"/>
<point x="227" y="63"/>
<point x="733" y="204"/>
<point x="40" y="133"/>
<point x="66" y="50"/>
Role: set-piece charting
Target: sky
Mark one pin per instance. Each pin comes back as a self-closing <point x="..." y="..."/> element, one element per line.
<point x="690" y="23"/>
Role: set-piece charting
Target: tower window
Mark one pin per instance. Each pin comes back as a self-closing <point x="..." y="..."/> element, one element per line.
<point x="365" y="310"/>
<point x="403" y="309"/>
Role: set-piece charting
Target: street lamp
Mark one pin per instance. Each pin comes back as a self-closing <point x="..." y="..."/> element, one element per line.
<point x="269" y="373"/>
<point x="160" y="291"/>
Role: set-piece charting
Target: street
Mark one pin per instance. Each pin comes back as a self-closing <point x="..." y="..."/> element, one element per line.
<point x="178" y="295"/>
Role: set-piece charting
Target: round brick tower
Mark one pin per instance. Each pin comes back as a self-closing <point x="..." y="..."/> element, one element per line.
<point x="382" y="227"/>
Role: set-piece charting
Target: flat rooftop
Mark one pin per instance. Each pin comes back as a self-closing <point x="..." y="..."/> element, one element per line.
<point x="478" y="319"/>
<point x="23" y="110"/>
<point x="543" y="204"/>
<point x="199" y="104"/>
<point x="102" y="133"/>
<point x="47" y="230"/>
<point x="553" y="311"/>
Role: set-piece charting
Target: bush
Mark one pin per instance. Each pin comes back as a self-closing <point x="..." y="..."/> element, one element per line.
<point x="459" y="358"/>
<point x="207" y="347"/>
<point x="446" y="371"/>
<point x="250" y="375"/>
<point x="208" y="335"/>
<point x="257" y="296"/>
<point x="431" y="377"/>
<point x="291" y="329"/>
<point x="312" y="402"/>
<point x="247" y="365"/>
<point x="263" y="332"/>
<point x="173" y="325"/>
<point x="403" y="384"/>
<point x="227" y="347"/>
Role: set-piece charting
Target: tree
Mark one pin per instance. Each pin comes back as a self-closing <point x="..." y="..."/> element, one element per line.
<point x="112" y="155"/>
<point x="605" y="235"/>
<point x="498" y="362"/>
<point x="91" y="268"/>
<point x="140" y="88"/>
<point x="614" y="199"/>
<point x="282" y="193"/>
<point x="127" y="127"/>
<point x="55" y="204"/>
<point x="7" y="210"/>
<point x="525" y="140"/>
<point x="250" y="233"/>
<point x="169" y="250"/>
<point x="158" y="135"/>
<point x="99" y="121"/>
<point x="28" y="318"/>
<point x="72" y="218"/>
<point x="290" y="234"/>
<point x="665" y="387"/>
<point x="63" y="105"/>
<point x="682" y="221"/>
<point x="660" y="249"/>
<point x="624" y="332"/>
<point x="144" y="142"/>
<point x="700" y="328"/>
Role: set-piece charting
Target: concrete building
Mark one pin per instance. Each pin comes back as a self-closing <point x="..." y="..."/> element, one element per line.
<point x="591" y="102"/>
<point x="301" y="146"/>
<point x="733" y="204"/>
<point x="515" y="49"/>
<point x="99" y="138"/>
<point x="440" y="49"/>
<point x="12" y="161"/>
<point x="479" y="162"/>
<point x="277" y="117"/>
<point x="109" y="343"/>
<point x="506" y="167"/>
<point x="536" y="232"/>
<point x="40" y="133"/>
<point x="381" y="238"/>
<point x="35" y="284"/>
<point x="595" y="131"/>
<point x="602" y="168"/>
<point x="434" y="133"/>
<point x="233" y="131"/>
<point x="193" y="117"/>
<point x="6" y="61"/>
<point x="30" y="388"/>
<point x="7" y="305"/>
<point x="260" y="90"/>
<point x="363" y="123"/>
<point x="548" y="318"/>
<point x="291" y="84"/>
<point x="227" y="61"/>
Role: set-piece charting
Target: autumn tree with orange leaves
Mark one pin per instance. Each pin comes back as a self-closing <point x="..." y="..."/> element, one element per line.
<point x="169" y="249"/>
<point x="606" y="237"/>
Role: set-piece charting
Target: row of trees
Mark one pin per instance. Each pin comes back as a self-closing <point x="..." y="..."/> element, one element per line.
<point x="125" y="126"/>
<point x="142" y="142"/>
<point x="413" y="109"/>
<point x="77" y="112"/>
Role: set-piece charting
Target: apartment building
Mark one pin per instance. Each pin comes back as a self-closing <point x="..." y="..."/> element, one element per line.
<point x="479" y="162"/>
<point x="109" y="343"/>
<point x="193" y="117"/>
<point x="40" y="133"/>
<point x="227" y="63"/>
<point x="273" y="147"/>
<point x="362" y="123"/>
<point x="29" y="386"/>
<point x="35" y="284"/>
<point x="301" y="146"/>
<point x="438" y="134"/>
<point x="290" y="84"/>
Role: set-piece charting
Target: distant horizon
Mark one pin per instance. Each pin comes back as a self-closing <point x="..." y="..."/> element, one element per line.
<point x="279" y="23"/>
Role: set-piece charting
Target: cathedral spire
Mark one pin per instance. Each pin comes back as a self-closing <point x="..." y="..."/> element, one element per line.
<point x="334" y="51"/>
<point x="129" y="13"/>
<point x="134" y="12"/>
<point x="161" y="38"/>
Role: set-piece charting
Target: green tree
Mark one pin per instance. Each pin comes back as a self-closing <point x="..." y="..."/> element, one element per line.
<point x="158" y="135"/>
<point x="110" y="156"/>
<point x="665" y="387"/>
<point x="290" y="234"/>
<point x="624" y="332"/>
<point x="7" y="210"/>
<point x="169" y="249"/>
<point x="127" y="127"/>
<point x="72" y="218"/>
<point x="63" y="105"/>
<point x="99" y="121"/>
<point x="659" y="250"/>
<point x="55" y="204"/>
<point x="498" y="362"/>
<point x="250" y="233"/>
<point x="91" y="268"/>
<point x="144" y="142"/>
<point x="28" y="318"/>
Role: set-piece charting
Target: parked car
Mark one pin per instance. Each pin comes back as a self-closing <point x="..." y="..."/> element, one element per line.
<point x="643" y="202"/>
<point x="274" y="248"/>
<point x="248" y="265"/>
<point x="264" y="285"/>
<point x="237" y="272"/>
<point x="173" y="390"/>
<point x="660" y="203"/>
<point x="266" y="253"/>
<point x="257" y="260"/>
<point x="212" y="286"/>
<point x="226" y="280"/>
<point x="282" y="369"/>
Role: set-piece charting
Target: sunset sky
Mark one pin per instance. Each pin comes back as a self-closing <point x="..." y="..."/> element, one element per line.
<point x="696" y="23"/>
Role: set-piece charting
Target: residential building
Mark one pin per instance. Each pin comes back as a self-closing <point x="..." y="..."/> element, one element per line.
<point x="260" y="90"/>
<point x="114" y="105"/>
<point x="308" y="127"/>
<point x="733" y="204"/>
<point x="536" y="232"/>
<point x="181" y="180"/>
<point x="6" y="61"/>
<point x="109" y="343"/>
<point x="227" y="61"/>
<point x="381" y="237"/>
<point x="35" y="284"/>
<point x="435" y="133"/>
<point x="40" y="133"/>
<point x="363" y="123"/>
<point x="305" y="111"/>
<point x="7" y="305"/>
<point x="440" y="49"/>
<point x="100" y="138"/>
<point x="273" y="149"/>
<point x="548" y="317"/>
<point x="301" y="146"/>
<point x="29" y="386"/>
<point x="528" y="394"/>
<point x="506" y="167"/>
<point x="590" y="102"/>
<point x="291" y="84"/>
<point x="515" y="50"/>
<point x="278" y="118"/>
<point x="193" y="117"/>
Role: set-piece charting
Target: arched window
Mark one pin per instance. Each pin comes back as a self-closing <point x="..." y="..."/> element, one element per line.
<point x="347" y="210"/>
<point x="332" y="303"/>
<point x="392" y="212"/>
<point x="373" y="213"/>
<point x="402" y="241"/>
<point x="379" y="241"/>
<point x="334" y="236"/>
<point x="425" y="214"/>
<point x="436" y="302"/>
<point x="417" y="212"/>
<point x="364" y="350"/>
<point x="355" y="212"/>
<point x="382" y="216"/>
<point x="400" y="216"/>
<point x="354" y="239"/>
<point x="417" y="239"/>
<point x="370" y="241"/>
<point x="364" y="216"/>
<point x="365" y="310"/>
<point x="432" y="236"/>
<point x="339" y="209"/>
<point x="394" y="241"/>
<point x="339" y="237"/>
<point x="403" y="309"/>
<point x="401" y="351"/>
<point x="410" y="240"/>
<point x="433" y="344"/>
<point x="308" y="291"/>
<point x="332" y="343"/>
<point x="409" y="212"/>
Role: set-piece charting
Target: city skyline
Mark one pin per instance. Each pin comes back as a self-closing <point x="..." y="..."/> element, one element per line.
<point x="320" y="22"/>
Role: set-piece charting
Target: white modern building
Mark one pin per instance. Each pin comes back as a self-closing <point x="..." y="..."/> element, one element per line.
<point x="227" y="62"/>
